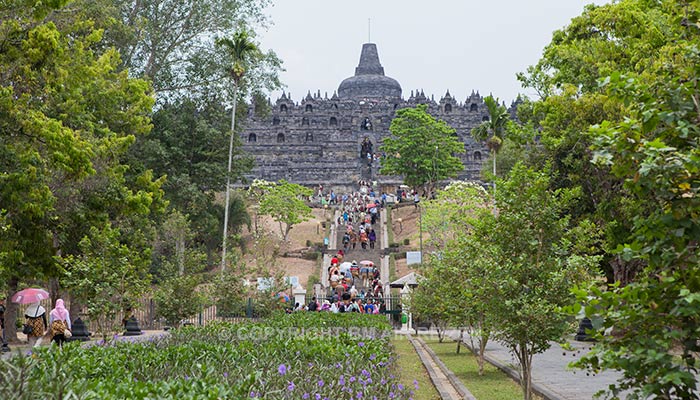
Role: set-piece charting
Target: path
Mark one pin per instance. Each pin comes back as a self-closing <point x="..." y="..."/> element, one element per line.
<point x="358" y="254"/>
<point x="146" y="336"/>
<point x="551" y="377"/>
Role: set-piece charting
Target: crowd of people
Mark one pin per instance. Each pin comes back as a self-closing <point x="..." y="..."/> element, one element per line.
<point x="359" y="212"/>
<point x="345" y="303"/>
<point x="354" y="287"/>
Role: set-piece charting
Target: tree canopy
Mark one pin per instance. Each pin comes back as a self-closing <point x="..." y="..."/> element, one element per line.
<point x="618" y="119"/>
<point x="285" y="203"/>
<point x="421" y="149"/>
<point x="68" y="114"/>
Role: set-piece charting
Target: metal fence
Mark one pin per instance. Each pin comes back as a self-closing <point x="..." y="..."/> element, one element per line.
<point x="145" y="313"/>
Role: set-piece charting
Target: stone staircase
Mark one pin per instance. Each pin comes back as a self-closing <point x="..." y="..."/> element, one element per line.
<point x="375" y="255"/>
<point x="358" y="254"/>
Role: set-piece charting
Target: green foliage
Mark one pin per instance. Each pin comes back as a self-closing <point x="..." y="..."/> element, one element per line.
<point x="494" y="129"/>
<point x="504" y="274"/>
<point x="655" y="151"/>
<point x="427" y="304"/>
<point x="178" y="298"/>
<point x="284" y="202"/>
<point x="421" y="149"/>
<point x="68" y="115"/>
<point x="270" y="360"/>
<point x="619" y="120"/>
<point x="106" y="277"/>
<point x="172" y="43"/>
<point x="188" y="145"/>
<point x="231" y="293"/>
<point x="627" y="36"/>
<point x="461" y="260"/>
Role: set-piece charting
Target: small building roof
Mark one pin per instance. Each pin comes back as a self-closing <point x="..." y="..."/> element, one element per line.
<point x="411" y="279"/>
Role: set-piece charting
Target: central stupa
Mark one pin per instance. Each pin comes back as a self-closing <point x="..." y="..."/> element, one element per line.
<point x="369" y="81"/>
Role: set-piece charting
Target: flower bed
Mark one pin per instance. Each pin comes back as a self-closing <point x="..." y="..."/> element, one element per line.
<point x="298" y="356"/>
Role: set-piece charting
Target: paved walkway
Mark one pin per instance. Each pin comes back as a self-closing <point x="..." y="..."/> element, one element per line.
<point x="551" y="376"/>
<point x="24" y="347"/>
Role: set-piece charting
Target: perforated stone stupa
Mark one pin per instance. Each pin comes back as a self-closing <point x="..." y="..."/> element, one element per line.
<point x="320" y="140"/>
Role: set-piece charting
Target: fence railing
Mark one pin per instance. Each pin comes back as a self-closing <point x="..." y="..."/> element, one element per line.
<point x="146" y="314"/>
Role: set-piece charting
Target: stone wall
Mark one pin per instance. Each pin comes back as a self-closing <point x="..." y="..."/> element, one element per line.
<point x="317" y="141"/>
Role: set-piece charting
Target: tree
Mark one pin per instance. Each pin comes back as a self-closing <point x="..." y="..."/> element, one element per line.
<point x="67" y="116"/>
<point x="188" y="145"/>
<point x="181" y="263"/>
<point x="239" y="49"/>
<point x="536" y="262"/>
<point x="179" y="298"/>
<point x="656" y="151"/>
<point x="107" y="277"/>
<point x="421" y="149"/>
<point x="620" y="121"/>
<point x="625" y="36"/>
<point x="427" y="305"/>
<point x="493" y="130"/>
<point x="462" y="262"/>
<point x="285" y="203"/>
<point x="171" y="42"/>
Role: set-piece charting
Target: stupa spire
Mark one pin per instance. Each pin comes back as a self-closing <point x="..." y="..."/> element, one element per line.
<point x="369" y="61"/>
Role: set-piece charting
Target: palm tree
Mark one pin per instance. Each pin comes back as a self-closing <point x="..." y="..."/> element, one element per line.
<point x="492" y="131"/>
<point x="240" y="49"/>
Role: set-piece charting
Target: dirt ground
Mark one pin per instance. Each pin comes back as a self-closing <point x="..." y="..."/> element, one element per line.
<point x="310" y="230"/>
<point x="404" y="223"/>
<point x="313" y="231"/>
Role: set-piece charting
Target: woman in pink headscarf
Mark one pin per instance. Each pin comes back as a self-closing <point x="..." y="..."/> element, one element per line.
<point x="59" y="321"/>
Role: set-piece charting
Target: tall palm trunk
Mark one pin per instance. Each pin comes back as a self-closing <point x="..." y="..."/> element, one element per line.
<point x="228" y="176"/>
<point x="494" y="175"/>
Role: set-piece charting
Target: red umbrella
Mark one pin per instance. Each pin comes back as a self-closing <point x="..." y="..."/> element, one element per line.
<point x="30" y="295"/>
<point x="371" y="205"/>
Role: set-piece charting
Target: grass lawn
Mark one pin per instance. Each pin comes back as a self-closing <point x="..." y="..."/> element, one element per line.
<point x="493" y="385"/>
<point x="412" y="368"/>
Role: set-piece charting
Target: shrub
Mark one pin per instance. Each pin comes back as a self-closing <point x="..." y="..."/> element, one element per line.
<point x="347" y="353"/>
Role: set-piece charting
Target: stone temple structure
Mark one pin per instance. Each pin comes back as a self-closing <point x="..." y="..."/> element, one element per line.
<point x="324" y="141"/>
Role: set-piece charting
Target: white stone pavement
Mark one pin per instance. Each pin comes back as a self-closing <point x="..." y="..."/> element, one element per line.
<point x="550" y="370"/>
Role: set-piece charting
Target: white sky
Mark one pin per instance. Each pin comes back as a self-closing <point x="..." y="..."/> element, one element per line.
<point x="436" y="45"/>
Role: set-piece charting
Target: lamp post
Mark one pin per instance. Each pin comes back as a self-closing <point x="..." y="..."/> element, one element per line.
<point x="420" y="231"/>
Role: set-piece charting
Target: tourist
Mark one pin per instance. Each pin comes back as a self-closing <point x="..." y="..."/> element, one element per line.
<point x="344" y="306"/>
<point x="353" y="292"/>
<point x="313" y="305"/>
<point x="335" y="279"/>
<point x="359" y="307"/>
<point x="353" y="239"/>
<point x="35" y="319"/>
<point x="416" y="199"/>
<point x="59" y="321"/>
<point x="372" y="238"/>
<point x="346" y="241"/>
<point x="369" y="307"/>
<point x="363" y="239"/>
